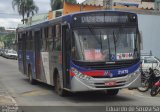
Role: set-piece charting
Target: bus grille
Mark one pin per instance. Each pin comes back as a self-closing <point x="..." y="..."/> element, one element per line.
<point x="102" y="85"/>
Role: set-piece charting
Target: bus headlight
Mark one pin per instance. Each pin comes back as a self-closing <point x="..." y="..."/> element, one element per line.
<point x="80" y="75"/>
<point x="137" y="72"/>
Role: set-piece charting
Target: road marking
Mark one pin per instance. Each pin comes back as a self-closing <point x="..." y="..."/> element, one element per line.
<point x="35" y="93"/>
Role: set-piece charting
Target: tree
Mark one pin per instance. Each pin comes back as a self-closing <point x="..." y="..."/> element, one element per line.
<point x="8" y="39"/>
<point x="31" y="8"/>
<point x="19" y="4"/>
<point x="24" y="7"/>
<point x="2" y="29"/>
<point x="71" y="1"/>
<point x="58" y="4"/>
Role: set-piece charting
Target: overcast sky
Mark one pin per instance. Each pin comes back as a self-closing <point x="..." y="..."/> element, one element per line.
<point x="10" y="18"/>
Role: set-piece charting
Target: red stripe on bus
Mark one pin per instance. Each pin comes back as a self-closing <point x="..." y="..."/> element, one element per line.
<point x="94" y="73"/>
<point x="71" y="73"/>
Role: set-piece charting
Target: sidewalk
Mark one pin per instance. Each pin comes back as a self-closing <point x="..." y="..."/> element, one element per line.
<point x="5" y="98"/>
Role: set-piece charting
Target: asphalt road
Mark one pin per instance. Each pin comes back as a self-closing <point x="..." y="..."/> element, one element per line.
<point x="42" y="98"/>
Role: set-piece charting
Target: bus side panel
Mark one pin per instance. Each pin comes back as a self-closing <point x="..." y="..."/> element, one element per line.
<point x="30" y="62"/>
<point x="20" y="61"/>
<point x="45" y="73"/>
<point x="55" y="63"/>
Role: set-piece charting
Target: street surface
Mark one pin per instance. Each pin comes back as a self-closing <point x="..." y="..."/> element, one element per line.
<point x="16" y="90"/>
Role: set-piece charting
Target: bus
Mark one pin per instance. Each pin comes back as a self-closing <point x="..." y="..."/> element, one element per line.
<point x="83" y="51"/>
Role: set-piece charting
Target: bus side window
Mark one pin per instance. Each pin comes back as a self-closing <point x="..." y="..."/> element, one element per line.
<point x="50" y="39"/>
<point x="29" y="40"/>
<point x="53" y="31"/>
<point x="53" y="36"/>
<point x="23" y="41"/>
<point x="20" y="41"/>
<point x="57" y="39"/>
<point x="43" y="40"/>
<point x="46" y="38"/>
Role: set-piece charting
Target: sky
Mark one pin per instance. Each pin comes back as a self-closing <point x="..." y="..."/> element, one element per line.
<point x="9" y="18"/>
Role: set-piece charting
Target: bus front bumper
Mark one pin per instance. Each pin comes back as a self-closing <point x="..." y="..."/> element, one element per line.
<point x="129" y="81"/>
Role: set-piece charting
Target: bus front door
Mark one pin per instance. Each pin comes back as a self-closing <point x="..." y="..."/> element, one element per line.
<point x="65" y="56"/>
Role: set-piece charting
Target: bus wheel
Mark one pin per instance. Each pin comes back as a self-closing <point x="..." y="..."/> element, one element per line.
<point x="59" y="90"/>
<point x="31" y="80"/>
<point x="112" y="92"/>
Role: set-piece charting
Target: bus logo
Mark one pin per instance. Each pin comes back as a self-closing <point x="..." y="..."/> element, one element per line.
<point x="108" y="73"/>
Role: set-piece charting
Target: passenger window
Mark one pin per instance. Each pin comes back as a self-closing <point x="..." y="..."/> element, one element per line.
<point x="57" y="38"/>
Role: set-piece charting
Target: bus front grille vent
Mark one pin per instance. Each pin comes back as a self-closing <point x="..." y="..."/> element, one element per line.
<point x="102" y="85"/>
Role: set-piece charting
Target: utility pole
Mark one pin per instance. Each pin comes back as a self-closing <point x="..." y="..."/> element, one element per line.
<point x="107" y="4"/>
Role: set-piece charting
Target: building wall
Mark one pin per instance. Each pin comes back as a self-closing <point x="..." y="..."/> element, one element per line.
<point x="93" y="2"/>
<point x="141" y="4"/>
<point x="71" y="8"/>
<point x="149" y="25"/>
<point x="157" y="5"/>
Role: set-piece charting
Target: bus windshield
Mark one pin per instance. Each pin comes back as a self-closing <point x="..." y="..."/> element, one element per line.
<point x="105" y="44"/>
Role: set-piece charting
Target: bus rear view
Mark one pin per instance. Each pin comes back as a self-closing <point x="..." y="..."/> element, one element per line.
<point x="105" y="51"/>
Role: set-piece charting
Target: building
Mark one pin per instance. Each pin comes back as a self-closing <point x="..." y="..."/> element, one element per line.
<point x="67" y="9"/>
<point x="125" y="4"/>
<point x="157" y="5"/>
<point x="93" y="2"/>
<point x="10" y="30"/>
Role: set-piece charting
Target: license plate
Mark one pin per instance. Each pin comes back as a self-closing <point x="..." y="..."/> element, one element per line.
<point x="112" y="83"/>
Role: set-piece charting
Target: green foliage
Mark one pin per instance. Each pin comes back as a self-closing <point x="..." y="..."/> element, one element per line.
<point x="72" y="1"/>
<point x="58" y="4"/>
<point x="31" y="8"/>
<point x="8" y="39"/>
<point x="2" y="29"/>
<point x="25" y="7"/>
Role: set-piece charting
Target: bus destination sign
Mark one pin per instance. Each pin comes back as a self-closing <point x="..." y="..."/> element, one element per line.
<point x="104" y="19"/>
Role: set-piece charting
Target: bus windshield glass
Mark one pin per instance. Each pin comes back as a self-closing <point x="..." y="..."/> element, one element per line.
<point x="105" y="44"/>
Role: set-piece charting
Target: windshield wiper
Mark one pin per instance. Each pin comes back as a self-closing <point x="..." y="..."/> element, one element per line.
<point x="94" y="35"/>
<point x="114" y="37"/>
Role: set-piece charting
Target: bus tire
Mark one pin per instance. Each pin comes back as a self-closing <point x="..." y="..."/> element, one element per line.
<point x="112" y="92"/>
<point x="31" y="80"/>
<point x="58" y="89"/>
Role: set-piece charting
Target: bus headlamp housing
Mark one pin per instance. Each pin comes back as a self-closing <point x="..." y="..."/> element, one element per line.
<point x="80" y="75"/>
<point x="135" y="74"/>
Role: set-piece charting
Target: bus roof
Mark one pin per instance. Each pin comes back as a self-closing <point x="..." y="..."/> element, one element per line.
<point x="48" y="22"/>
